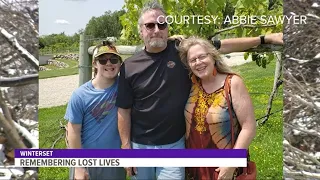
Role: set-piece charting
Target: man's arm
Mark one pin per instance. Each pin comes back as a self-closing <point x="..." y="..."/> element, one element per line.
<point x="124" y="103"/>
<point x="124" y="126"/>
<point x="74" y="142"/>
<point x="74" y="135"/>
<point x="74" y="115"/>
<point x="242" y="44"/>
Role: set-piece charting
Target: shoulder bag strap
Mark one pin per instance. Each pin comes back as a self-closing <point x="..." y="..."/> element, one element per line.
<point x="228" y="95"/>
<point x="227" y="89"/>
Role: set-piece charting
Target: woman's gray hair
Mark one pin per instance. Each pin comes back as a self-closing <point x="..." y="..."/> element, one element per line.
<point x="151" y="5"/>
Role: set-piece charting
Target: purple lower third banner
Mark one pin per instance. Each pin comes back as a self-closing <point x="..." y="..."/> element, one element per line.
<point x="130" y="153"/>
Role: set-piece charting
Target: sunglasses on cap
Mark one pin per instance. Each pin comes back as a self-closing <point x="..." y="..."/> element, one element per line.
<point x="151" y="26"/>
<point x="113" y="60"/>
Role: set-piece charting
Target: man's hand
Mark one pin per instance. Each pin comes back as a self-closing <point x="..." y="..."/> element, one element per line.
<point x="126" y="146"/>
<point x="131" y="171"/>
<point x="225" y="173"/>
<point x="274" y="38"/>
<point x="177" y="37"/>
<point x="81" y="174"/>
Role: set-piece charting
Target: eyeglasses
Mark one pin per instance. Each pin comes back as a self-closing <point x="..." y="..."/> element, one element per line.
<point x="201" y="58"/>
<point x="113" y="60"/>
<point x="151" y="26"/>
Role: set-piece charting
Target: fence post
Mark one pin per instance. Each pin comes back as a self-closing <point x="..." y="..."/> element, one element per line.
<point x="85" y="62"/>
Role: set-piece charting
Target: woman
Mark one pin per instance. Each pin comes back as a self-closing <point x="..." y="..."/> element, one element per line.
<point x="207" y="114"/>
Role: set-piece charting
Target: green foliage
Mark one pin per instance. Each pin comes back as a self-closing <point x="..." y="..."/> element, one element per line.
<point x="215" y="16"/>
<point x="107" y="25"/>
<point x="262" y="59"/>
<point x="55" y="43"/>
<point x="221" y="9"/>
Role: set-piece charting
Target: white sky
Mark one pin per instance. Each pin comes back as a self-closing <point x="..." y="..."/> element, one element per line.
<point x="70" y="16"/>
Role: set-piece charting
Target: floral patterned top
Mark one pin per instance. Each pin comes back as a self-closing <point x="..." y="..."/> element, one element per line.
<point x="208" y="124"/>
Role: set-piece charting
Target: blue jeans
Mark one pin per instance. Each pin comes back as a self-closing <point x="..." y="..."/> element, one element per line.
<point x="160" y="173"/>
<point x="105" y="173"/>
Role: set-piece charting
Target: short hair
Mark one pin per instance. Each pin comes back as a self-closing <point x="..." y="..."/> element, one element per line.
<point x="151" y="5"/>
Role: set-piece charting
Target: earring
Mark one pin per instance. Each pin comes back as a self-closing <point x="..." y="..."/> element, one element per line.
<point x="194" y="79"/>
<point x="214" y="71"/>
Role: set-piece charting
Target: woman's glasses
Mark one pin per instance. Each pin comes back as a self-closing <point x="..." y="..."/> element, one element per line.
<point x="200" y="58"/>
<point x="151" y="26"/>
<point x="113" y="60"/>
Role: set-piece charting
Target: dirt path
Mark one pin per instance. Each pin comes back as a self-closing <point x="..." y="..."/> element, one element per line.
<point x="57" y="91"/>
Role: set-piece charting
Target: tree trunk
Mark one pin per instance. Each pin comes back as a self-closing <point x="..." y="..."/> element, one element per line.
<point x="276" y="83"/>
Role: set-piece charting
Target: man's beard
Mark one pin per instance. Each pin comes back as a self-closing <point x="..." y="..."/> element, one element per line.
<point x="157" y="43"/>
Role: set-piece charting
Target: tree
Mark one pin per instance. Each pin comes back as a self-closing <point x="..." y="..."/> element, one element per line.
<point x="302" y="92"/>
<point x="218" y="9"/>
<point x="18" y="80"/>
<point x="107" y="25"/>
<point x="59" y="42"/>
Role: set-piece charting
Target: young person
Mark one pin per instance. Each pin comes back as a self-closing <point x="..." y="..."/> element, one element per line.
<point x="92" y="114"/>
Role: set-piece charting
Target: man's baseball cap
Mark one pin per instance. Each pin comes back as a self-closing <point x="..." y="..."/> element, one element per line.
<point x="105" y="50"/>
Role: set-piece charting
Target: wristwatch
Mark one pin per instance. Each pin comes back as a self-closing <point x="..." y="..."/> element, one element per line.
<point x="262" y="39"/>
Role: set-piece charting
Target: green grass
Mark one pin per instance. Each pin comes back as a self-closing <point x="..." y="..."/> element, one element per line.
<point x="49" y="123"/>
<point x="71" y="70"/>
<point x="266" y="149"/>
<point x="56" y="72"/>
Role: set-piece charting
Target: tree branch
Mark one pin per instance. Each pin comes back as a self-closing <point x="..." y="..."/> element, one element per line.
<point x="313" y="15"/>
<point x="302" y="100"/>
<point x="297" y="84"/>
<point x="25" y="133"/>
<point x="313" y="159"/>
<point x="12" y="134"/>
<point x="241" y="26"/>
<point x="24" y="53"/>
<point x="5" y="109"/>
<point x="302" y="166"/>
<point x="18" y="81"/>
<point x="276" y="83"/>
<point x="310" y="132"/>
<point x="300" y="61"/>
<point x="58" y="139"/>
<point x="303" y="175"/>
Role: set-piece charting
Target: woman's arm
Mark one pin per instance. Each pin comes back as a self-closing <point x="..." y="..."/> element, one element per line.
<point x="244" y="110"/>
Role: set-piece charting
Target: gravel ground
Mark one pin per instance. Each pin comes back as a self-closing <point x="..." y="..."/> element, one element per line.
<point x="57" y="91"/>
